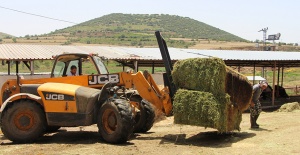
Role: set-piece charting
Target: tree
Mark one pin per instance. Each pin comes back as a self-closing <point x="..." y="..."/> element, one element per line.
<point x="14" y="40"/>
<point x="296" y="44"/>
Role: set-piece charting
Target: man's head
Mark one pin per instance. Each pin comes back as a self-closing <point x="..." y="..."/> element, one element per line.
<point x="263" y="85"/>
<point x="73" y="70"/>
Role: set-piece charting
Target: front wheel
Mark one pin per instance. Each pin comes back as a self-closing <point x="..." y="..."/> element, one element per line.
<point x="115" y="121"/>
<point x="23" y="121"/>
<point x="145" y="118"/>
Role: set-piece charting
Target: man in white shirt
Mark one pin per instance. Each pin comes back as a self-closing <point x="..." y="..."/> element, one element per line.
<point x="73" y="71"/>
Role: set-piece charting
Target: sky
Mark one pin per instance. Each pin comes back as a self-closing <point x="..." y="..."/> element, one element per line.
<point x="243" y="18"/>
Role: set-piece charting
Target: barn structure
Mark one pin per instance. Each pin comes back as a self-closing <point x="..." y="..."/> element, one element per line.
<point x="151" y="57"/>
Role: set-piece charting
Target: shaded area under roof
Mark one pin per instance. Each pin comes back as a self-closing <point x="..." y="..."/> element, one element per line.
<point x="151" y="56"/>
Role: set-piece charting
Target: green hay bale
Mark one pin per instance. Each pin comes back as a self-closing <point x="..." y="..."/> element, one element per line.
<point x="239" y="88"/>
<point x="196" y="108"/>
<point x="216" y="95"/>
<point x="204" y="109"/>
<point x="203" y="74"/>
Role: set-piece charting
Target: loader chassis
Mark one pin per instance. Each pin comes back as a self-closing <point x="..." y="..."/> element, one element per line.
<point x="25" y="120"/>
<point x="68" y="101"/>
<point x="31" y="107"/>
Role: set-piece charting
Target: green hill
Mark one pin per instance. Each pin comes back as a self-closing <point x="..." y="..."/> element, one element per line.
<point x="4" y="35"/>
<point x="138" y="30"/>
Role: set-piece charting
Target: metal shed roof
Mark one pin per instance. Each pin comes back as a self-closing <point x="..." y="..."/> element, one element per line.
<point x="150" y="56"/>
<point x="247" y="55"/>
<point x="251" y="58"/>
<point x="37" y="52"/>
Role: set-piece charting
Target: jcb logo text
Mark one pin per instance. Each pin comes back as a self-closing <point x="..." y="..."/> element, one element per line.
<point x="55" y="97"/>
<point x="102" y="79"/>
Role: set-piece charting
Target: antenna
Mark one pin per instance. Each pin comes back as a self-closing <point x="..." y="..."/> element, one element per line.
<point x="264" y="30"/>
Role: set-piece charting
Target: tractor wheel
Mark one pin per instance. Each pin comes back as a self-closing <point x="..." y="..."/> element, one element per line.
<point x="144" y="119"/>
<point x="115" y="121"/>
<point x="50" y="129"/>
<point x="23" y="121"/>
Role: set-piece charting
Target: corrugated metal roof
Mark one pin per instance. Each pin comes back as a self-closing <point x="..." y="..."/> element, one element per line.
<point x="154" y="53"/>
<point x="34" y="52"/>
<point x="247" y="55"/>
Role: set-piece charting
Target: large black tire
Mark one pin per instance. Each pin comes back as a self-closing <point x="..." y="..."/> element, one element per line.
<point x="115" y="121"/>
<point x="145" y="118"/>
<point x="23" y="121"/>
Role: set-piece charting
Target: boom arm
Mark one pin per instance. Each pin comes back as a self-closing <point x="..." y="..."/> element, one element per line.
<point x="168" y="80"/>
<point x="148" y="89"/>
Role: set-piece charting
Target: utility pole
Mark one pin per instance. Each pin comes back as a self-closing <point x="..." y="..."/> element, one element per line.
<point x="264" y="30"/>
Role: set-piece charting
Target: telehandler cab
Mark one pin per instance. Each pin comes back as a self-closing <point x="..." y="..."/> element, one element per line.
<point x="31" y="107"/>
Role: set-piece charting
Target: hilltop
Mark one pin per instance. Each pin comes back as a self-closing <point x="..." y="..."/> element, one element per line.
<point x="135" y="30"/>
<point x="4" y="35"/>
<point x="174" y="26"/>
<point x="138" y="30"/>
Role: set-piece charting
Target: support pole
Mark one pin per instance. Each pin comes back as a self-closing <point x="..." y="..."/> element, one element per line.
<point x="278" y="77"/>
<point x="273" y="92"/>
<point x="253" y="74"/>
<point x="32" y="67"/>
<point x="136" y="66"/>
<point x="8" y="69"/>
<point x="153" y="67"/>
<point x="282" y="76"/>
<point x="17" y="67"/>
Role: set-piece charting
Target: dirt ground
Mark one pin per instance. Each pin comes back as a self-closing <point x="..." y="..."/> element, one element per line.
<point x="279" y="134"/>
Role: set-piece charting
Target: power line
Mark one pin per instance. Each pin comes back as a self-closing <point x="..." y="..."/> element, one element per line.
<point x="37" y="15"/>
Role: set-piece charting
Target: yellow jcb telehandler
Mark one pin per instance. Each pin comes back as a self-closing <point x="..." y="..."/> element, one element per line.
<point x="31" y="107"/>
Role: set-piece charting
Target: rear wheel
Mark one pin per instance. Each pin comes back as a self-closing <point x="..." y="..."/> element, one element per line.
<point x="23" y="121"/>
<point x="144" y="119"/>
<point x="115" y="121"/>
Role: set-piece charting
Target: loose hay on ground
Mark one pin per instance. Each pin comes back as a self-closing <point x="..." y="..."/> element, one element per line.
<point x="289" y="107"/>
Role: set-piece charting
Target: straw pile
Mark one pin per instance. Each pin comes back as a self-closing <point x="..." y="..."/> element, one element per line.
<point x="289" y="107"/>
<point x="209" y="94"/>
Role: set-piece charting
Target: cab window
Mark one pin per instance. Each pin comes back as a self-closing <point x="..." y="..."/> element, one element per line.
<point x="88" y="67"/>
<point x="59" y="69"/>
<point x="101" y="66"/>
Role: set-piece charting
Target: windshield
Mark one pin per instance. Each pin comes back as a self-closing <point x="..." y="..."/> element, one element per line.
<point x="59" y="68"/>
<point x="100" y="65"/>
